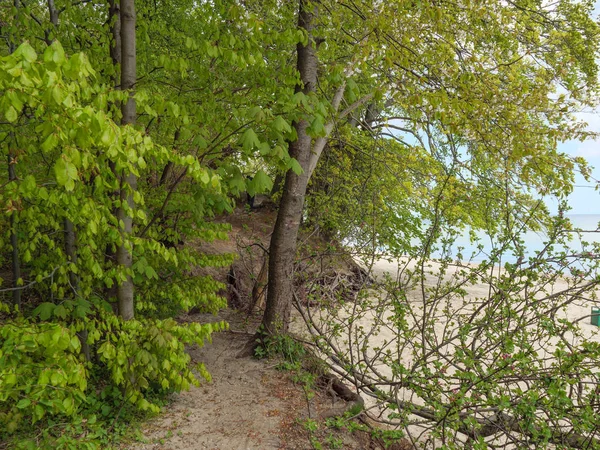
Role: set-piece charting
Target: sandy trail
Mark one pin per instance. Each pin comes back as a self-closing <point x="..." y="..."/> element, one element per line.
<point x="244" y="407"/>
<point x="248" y="405"/>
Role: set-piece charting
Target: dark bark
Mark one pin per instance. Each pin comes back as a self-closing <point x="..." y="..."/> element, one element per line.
<point x="235" y="288"/>
<point x="277" y="184"/>
<point x="125" y="289"/>
<point x="71" y="252"/>
<point x="12" y="175"/>
<point x="114" y="19"/>
<point x="14" y="238"/>
<point x="114" y="14"/>
<point x="282" y="250"/>
<point x="371" y="115"/>
<point x="53" y="13"/>
<point x="166" y="173"/>
<point x="260" y="287"/>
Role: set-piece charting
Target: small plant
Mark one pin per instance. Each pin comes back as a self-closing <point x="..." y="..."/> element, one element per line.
<point x="311" y="426"/>
<point x="334" y="442"/>
<point x="282" y="345"/>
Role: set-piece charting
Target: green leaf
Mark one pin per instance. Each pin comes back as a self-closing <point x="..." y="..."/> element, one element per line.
<point x="173" y="109"/>
<point x="107" y="137"/>
<point x="260" y="183"/>
<point x="281" y="125"/>
<point x="15" y="101"/>
<point x="50" y="142"/>
<point x="295" y="166"/>
<point x="66" y="173"/>
<point x="237" y="183"/>
<point x="38" y="412"/>
<point x="55" y="54"/>
<point x="58" y="94"/>
<point x="205" y="177"/>
<point x="61" y="312"/>
<point x="317" y="126"/>
<point x="27" y="52"/>
<point x="68" y="405"/>
<point x="23" y="403"/>
<point x="11" y="114"/>
<point x="264" y="148"/>
<point x="249" y="140"/>
<point x="28" y="186"/>
<point x="75" y="156"/>
<point x="151" y="273"/>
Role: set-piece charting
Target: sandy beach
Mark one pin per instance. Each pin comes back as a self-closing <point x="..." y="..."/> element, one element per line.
<point x="417" y="327"/>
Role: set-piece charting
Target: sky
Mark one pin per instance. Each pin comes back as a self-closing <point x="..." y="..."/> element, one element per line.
<point x="585" y="199"/>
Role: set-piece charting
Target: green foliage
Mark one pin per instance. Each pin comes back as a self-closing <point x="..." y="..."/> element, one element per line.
<point x="280" y="345"/>
<point x="371" y="192"/>
<point x="149" y="354"/>
<point x="68" y="154"/>
<point x="40" y="373"/>
<point x="450" y="117"/>
<point x="44" y="378"/>
<point x="459" y="339"/>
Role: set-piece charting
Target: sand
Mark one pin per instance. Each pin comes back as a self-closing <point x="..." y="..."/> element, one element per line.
<point x="363" y="333"/>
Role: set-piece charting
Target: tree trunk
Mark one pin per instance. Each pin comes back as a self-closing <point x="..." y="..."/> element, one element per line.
<point x="71" y="252"/>
<point x="53" y="12"/>
<point x="14" y="238"/>
<point x="12" y="175"/>
<point x="260" y="287"/>
<point x="114" y="21"/>
<point x="114" y="18"/>
<point x="125" y="291"/>
<point x="282" y="250"/>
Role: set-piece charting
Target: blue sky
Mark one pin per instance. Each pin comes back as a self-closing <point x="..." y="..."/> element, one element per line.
<point x="585" y="199"/>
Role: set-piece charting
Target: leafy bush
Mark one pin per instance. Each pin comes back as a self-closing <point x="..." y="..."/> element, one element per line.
<point x="69" y="146"/>
<point x="41" y="373"/>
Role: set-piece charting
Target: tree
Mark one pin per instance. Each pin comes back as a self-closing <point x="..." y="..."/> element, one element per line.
<point x="439" y="113"/>
<point x="70" y="156"/>
<point x="472" y="88"/>
<point x="282" y="250"/>
<point x="128" y="181"/>
<point x="188" y="141"/>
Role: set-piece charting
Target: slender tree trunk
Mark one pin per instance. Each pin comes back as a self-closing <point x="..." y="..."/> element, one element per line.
<point x="53" y="13"/>
<point x="12" y="175"/>
<point x="282" y="250"/>
<point x="371" y="115"/>
<point x="71" y="252"/>
<point x="125" y="290"/>
<point x="114" y="17"/>
<point x="114" y="20"/>
<point x="14" y="229"/>
<point x="169" y="166"/>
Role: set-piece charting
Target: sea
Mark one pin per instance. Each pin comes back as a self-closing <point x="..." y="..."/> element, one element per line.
<point x="532" y="241"/>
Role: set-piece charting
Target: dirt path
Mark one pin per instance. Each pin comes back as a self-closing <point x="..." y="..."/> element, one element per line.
<point x="248" y="405"/>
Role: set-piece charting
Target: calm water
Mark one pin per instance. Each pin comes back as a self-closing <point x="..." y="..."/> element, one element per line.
<point x="533" y="241"/>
